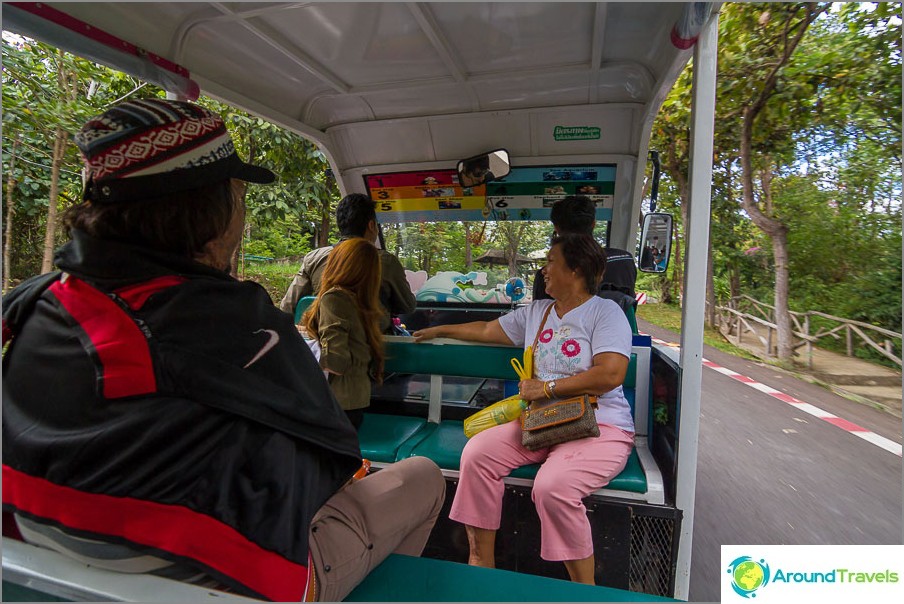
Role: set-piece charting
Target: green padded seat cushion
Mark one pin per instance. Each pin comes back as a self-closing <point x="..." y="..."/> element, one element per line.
<point x="445" y="444"/>
<point x="630" y="479"/>
<point x="381" y="436"/>
<point x="407" y="579"/>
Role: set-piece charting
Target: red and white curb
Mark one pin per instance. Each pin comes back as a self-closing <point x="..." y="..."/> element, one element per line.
<point x="867" y="435"/>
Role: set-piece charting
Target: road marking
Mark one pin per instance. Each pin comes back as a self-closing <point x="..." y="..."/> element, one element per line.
<point x="867" y="435"/>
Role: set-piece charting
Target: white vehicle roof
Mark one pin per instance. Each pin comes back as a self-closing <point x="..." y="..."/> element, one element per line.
<point x="386" y="86"/>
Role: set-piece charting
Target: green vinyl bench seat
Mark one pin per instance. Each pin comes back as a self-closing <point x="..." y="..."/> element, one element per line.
<point x="381" y="437"/>
<point x="408" y="579"/>
<point x="445" y="443"/>
<point x="386" y="438"/>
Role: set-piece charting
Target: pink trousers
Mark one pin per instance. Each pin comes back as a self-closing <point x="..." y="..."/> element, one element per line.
<point x="570" y="472"/>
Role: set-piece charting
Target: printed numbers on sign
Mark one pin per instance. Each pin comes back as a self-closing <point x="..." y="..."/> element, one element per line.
<point x="383" y="194"/>
<point x="501" y="204"/>
<point x="386" y="206"/>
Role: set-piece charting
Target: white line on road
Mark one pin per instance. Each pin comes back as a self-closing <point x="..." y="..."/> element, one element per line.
<point x="867" y="435"/>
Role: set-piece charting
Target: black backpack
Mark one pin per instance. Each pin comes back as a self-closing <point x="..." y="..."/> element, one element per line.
<point x="618" y="280"/>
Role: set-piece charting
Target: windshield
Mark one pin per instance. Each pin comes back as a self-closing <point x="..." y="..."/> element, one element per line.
<point x="464" y="262"/>
<point x="484" y="244"/>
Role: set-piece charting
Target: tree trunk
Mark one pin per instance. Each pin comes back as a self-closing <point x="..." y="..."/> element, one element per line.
<point x="735" y="282"/>
<point x="678" y="173"/>
<point x="773" y="228"/>
<point x="324" y="235"/>
<point x="468" y="257"/>
<point x="10" y="212"/>
<point x="59" y="149"/>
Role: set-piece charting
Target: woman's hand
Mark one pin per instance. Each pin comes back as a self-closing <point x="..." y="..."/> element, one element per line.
<point x="428" y="333"/>
<point x="532" y="390"/>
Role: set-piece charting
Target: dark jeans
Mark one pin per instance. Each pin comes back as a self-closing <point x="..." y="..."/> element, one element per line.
<point x="355" y="416"/>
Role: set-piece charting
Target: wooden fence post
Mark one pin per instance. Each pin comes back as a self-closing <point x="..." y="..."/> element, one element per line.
<point x="850" y="344"/>
<point x="809" y="341"/>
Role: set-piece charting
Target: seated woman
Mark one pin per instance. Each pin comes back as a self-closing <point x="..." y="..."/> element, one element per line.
<point x="583" y="346"/>
<point x="345" y="318"/>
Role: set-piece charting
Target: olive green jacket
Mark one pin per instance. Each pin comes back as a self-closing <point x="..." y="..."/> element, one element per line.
<point x="395" y="293"/>
<point x="344" y="349"/>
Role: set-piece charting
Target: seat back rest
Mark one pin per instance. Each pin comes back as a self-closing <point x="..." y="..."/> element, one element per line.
<point x="302" y="305"/>
<point x="638" y="378"/>
<point x="450" y="357"/>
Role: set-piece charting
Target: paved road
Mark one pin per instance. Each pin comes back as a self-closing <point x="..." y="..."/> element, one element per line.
<point x="769" y="474"/>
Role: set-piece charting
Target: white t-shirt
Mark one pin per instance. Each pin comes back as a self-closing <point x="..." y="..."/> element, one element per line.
<point x="566" y="346"/>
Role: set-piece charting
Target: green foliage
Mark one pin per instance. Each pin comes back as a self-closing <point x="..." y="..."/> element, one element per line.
<point x="282" y="218"/>
<point x="832" y="136"/>
<point x="275" y="277"/>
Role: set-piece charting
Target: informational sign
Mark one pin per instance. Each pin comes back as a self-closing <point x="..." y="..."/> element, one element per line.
<point x="575" y="133"/>
<point x="526" y="193"/>
<point x="423" y="191"/>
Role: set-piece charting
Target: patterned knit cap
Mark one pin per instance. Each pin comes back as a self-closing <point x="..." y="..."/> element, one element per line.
<point x="149" y="148"/>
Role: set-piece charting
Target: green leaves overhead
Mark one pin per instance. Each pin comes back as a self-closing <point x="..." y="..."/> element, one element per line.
<point x="830" y="137"/>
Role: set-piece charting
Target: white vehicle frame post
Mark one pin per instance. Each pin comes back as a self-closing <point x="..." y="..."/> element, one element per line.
<point x="697" y="236"/>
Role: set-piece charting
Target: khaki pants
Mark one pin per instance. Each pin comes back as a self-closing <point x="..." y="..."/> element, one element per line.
<point x="390" y="511"/>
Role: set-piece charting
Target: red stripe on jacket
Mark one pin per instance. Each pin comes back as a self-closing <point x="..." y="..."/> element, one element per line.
<point x="136" y="295"/>
<point x="125" y="358"/>
<point x="169" y="528"/>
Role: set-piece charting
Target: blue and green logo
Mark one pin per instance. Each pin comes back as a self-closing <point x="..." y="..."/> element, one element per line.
<point x="748" y="575"/>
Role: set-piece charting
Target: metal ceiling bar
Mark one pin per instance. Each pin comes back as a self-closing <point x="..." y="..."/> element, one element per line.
<point x="596" y="49"/>
<point x="424" y="17"/>
<point x="272" y="38"/>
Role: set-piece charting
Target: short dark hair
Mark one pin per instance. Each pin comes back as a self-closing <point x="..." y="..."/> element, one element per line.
<point x="353" y="213"/>
<point x="180" y="223"/>
<point x="573" y="214"/>
<point x="581" y="252"/>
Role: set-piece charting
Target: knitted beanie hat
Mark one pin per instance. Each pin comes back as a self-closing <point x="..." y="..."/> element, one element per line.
<point x="149" y="148"/>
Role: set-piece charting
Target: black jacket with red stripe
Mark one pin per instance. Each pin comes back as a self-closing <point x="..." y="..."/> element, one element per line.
<point x="156" y="402"/>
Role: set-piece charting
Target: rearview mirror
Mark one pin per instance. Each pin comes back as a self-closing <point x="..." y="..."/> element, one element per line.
<point x="655" y="243"/>
<point x="483" y="168"/>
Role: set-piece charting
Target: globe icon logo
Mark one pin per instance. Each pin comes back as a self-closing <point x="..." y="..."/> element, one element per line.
<point x="748" y="575"/>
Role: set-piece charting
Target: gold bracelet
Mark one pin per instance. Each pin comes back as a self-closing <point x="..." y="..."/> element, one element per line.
<point x="546" y="390"/>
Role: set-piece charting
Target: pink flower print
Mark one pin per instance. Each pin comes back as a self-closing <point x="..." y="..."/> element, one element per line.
<point x="571" y="348"/>
<point x="546" y="336"/>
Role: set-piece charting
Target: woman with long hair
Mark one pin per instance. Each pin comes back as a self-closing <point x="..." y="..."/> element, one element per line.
<point x="345" y="319"/>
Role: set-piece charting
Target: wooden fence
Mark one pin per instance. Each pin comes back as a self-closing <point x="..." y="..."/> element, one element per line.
<point x="746" y="315"/>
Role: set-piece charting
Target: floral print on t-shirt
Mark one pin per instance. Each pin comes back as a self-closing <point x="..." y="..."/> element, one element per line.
<point x="559" y="354"/>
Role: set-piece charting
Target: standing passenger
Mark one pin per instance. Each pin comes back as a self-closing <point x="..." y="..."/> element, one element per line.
<point x="345" y="320"/>
<point x="356" y="216"/>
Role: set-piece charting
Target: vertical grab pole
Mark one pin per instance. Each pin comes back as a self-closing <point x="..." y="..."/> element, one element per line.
<point x="697" y="229"/>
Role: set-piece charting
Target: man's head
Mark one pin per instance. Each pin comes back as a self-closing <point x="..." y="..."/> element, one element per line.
<point x="164" y="175"/>
<point x="573" y="214"/>
<point x="356" y="216"/>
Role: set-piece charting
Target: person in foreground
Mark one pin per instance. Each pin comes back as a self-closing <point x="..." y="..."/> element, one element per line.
<point x="583" y="345"/>
<point x="345" y="319"/>
<point x="356" y="216"/>
<point x="160" y="416"/>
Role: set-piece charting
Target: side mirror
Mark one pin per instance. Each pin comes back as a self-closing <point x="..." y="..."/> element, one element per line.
<point x="483" y="168"/>
<point x="655" y="243"/>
